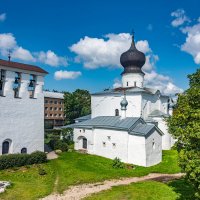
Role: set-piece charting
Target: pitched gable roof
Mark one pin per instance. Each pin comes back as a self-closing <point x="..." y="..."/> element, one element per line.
<point x="22" y="66"/>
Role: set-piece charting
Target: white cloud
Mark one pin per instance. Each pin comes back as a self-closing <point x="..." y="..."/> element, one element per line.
<point x="2" y="17"/>
<point x="105" y="52"/>
<point x="117" y="83"/>
<point x="50" y="58"/>
<point x="22" y="54"/>
<point x="192" y="43"/>
<point x="95" y="52"/>
<point x="161" y="82"/>
<point x="179" y="18"/>
<point x="59" y="75"/>
<point x="8" y="42"/>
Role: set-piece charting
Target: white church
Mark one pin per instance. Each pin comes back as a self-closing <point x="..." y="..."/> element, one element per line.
<point x="21" y="108"/>
<point x="128" y="122"/>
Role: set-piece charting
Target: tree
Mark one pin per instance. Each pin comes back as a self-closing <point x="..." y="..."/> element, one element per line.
<point x="184" y="125"/>
<point x="76" y="104"/>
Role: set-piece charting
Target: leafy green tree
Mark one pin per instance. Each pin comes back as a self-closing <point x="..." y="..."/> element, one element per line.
<point x="77" y="104"/>
<point x="184" y="125"/>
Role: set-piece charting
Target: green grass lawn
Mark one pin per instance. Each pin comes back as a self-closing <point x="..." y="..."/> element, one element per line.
<point x="149" y="190"/>
<point x="73" y="168"/>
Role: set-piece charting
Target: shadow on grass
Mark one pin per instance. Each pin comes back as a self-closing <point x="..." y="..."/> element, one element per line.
<point x="183" y="188"/>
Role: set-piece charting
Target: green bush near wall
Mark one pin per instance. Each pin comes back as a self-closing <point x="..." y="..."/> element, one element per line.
<point x="18" y="160"/>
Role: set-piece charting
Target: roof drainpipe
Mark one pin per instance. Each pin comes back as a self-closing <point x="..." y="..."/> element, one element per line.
<point x="124" y="104"/>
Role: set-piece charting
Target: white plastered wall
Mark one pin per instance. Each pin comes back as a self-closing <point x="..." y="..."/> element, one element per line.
<point x="22" y="119"/>
<point x="136" y="150"/>
<point x="153" y="148"/>
<point x="167" y="139"/>
<point x="79" y="134"/>
<point x="105" y="105"/>
<point x="116" y="146"/>
<point x="133" y="80"/>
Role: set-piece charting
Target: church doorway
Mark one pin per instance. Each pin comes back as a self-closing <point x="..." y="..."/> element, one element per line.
<point x="5" y="147"/>
<point x="84" y="143"/>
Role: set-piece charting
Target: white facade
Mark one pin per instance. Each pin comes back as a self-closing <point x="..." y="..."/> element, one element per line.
<point x="22" y="116"/>
<point x="133" y="80"/>
<point x="140" y="104"/>
<point x="138" y="150"/>
<point x="112" y="132"/>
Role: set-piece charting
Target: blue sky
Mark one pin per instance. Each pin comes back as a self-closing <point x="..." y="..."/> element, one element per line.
<point x="42" y="32"/>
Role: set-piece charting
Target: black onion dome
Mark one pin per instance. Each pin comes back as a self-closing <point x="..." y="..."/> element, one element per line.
<point x="132" y="60"/>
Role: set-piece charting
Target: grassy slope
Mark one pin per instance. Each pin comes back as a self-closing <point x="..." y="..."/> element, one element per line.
<point x="149" y="190"/>
<point x="27" y="184"/>
<point x="74" y="168"/>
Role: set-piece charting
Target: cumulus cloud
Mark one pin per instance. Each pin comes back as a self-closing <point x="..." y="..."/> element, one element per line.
<point x="8" y="42"/>
<point x="2" y="17"/>
<point x="22" y="54"/>
<point x="50" y="58"/>
<point x="59" y="75"/>
<point x="161" y="82"/>
<point x="117" y="83"/>
<point x="192" y="42"/>
<point x="179" y="18"/>
<point x="106" y="51"/>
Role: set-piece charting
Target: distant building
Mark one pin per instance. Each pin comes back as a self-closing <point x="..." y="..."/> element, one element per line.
<point x="21" y="108"/>
<point x="53" y="109"/>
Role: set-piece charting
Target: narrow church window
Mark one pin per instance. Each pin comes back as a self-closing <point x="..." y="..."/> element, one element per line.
<point x="16" y="84"/>
<point x="2" y="81"/>
<point x="6" y="146"/>
<point x="126" y="83"/>
<point x="116" y="112"/>
<point x="80" y="130"/>
<point x="134" y="83"/>
<point x="153" y="145"/>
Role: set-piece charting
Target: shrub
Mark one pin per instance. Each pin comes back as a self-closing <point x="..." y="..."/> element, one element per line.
<point x="61" y="145"/>
<point x="37" y="157"/>
<point x="117" y="163"/>
<point x="18" y="160"/>
<point x="41" y="171"/>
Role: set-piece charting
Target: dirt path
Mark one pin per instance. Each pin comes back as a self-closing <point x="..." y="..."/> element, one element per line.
<point x="82" y="191"/>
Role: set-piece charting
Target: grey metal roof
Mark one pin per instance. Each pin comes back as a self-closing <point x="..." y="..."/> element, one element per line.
<point x="114" y="122"/>
<point x="129" y="90"/>
<point x="142" y="129"/>
<point x="134" y="125"/>
<point x="158" y="113"/>
<point x="86" y="117"/>
<point x="121" y="91"/>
